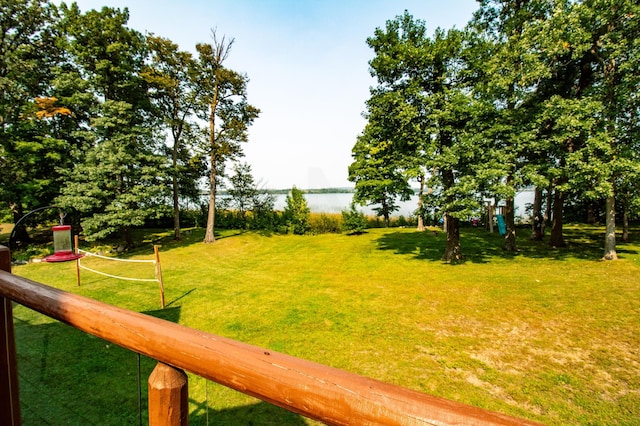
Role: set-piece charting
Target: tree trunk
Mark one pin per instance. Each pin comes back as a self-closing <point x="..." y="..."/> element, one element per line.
<point x="176" y="204"/>
<point x="209" y="236"/>
<point x="128" y="237"/>
<point x="420" y="202"/>
<point x="490" y="210"/>
<point x="385" y="211"/>
<point x="610" y="235"/>
<point x="453" y="252"/>
<point x="176" y="209"/>
<point x="591" y="214"/>
<point x="625" y="225"/>
<point x="537" y="220"/>
<point x="548" y="216"/>
<point x="510" y="222"/>
<point x="20" y="234"/>
<point x="557" y="239"/>
<point x="625" y="218"/>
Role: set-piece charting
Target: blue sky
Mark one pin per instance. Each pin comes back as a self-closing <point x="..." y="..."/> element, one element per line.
<point x="307" y="62"/>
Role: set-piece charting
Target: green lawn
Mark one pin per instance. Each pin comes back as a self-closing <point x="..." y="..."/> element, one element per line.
<point x="547" y="334"/>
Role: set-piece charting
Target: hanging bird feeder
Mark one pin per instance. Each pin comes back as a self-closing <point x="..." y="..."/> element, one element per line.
<point x="62" y="244"/>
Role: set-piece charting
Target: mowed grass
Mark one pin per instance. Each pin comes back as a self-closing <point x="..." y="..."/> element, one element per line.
<point x="547" y="334"/>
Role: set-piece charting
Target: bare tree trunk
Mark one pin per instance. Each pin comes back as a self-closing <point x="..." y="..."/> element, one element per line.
<point x="20" y="234"/>
<point x="128" y="237"/>
<point x="510" y="222"/>
<point x="548" y="216"/>
<point x="537" y="221"/>
<point x="420" y="203"/>
<point x="625" y="226"/>
<point x="610" y="235"/>
<point x="625" y="219"/>
<point x="557" y="239"/>
<point x="591" y="214"/>
<point x="453" y="252"/>
<point x="209" y="235"/>
<point x="490" y="210"/>
<point x="176" y="206"/>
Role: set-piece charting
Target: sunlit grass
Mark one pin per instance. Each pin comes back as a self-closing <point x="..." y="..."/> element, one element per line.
<point x="546" y="334"/>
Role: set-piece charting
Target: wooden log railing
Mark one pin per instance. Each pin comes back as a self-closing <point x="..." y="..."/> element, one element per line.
<point x="316" y="391"/>
<point x="9" y="400"/>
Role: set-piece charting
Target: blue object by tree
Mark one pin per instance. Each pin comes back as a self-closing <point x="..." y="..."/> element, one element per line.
<point x="502" y="228"/>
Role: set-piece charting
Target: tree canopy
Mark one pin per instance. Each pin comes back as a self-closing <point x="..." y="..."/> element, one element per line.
<point x="530" y="93"/>
<point x="98" y="118"/>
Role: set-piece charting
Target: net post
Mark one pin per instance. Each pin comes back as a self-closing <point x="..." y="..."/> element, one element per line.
<point x="156" y="251"/>
<point x="9" y="395"/>
<point x="77" y="251"/>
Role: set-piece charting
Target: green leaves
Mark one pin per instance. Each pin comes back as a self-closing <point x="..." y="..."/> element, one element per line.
<point x="296" y="213"/>
<point x="419" y="116"/>
<point x="222" y="101"/>
<point x="116" y="182"/>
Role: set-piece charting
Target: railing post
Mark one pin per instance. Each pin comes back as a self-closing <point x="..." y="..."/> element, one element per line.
<point x="9" y="399"/>
<point x="168" y="396"/>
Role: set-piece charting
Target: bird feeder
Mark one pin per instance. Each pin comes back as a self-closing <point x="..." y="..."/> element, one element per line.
<point x="62" y="246"/>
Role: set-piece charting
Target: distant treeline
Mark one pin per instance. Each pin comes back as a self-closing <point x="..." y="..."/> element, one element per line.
<point x="306" y="191"/>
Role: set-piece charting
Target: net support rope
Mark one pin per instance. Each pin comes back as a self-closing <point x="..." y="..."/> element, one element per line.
<point x="87" y="253"/>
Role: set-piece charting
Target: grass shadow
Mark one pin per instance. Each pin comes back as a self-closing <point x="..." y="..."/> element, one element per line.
<point x="422" y="245"/>
<point x="430" y="245"/>
<point x="180" y="297"/>
<point x="168" y="314"/>
<point x="583" y="242"/>
<point x="480" y="246"/>
<point x="258" y="414"/>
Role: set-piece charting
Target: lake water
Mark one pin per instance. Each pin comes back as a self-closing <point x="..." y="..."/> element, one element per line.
<point x="335" y="203"/>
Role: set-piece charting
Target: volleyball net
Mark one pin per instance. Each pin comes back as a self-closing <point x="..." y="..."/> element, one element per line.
<point x="155" y="261"/>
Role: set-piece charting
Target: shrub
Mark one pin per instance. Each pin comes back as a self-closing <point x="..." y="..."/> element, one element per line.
<point x="192" y="218"/>
<point x="325" y="224"/>
<point x="296" y="213"/>
<point x="264" y="220"/>
<point x="353" y="221"/>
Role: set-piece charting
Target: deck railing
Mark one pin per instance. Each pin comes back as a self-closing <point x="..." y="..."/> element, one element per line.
<point x="316" y="391"/>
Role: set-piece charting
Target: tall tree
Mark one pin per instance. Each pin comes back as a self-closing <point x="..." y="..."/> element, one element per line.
<point x="116" y="181"/>
<point x="30" y="148"/>
<point x="615" y="34"/>
<point x="591" y="49"/>
<point x="223" y="99"/>
<point x="376" y="173"/>
<point x="507" y="83"/>
<point x="423" y="80"/>
<point x="171" y="77"/>
<point x="246" y="195"/>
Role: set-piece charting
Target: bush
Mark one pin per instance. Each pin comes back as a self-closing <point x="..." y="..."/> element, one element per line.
<point x="325" y="224"/>
<point x="296" y="213"/>
<point x="32" y="251"/>
<point x="192" y="218"/>
<point x="353" y="221"/>
<point x="264" y="220"/>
